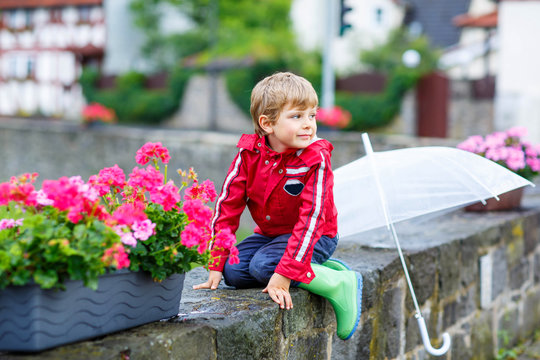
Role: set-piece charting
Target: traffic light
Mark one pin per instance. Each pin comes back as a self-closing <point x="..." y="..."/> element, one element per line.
<point x="343" y="24"/>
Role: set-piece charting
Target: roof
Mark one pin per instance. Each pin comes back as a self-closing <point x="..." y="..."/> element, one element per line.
<point x="482" y="21"/>
<point x="435" y="17"/>
<point x="14" y="4"/>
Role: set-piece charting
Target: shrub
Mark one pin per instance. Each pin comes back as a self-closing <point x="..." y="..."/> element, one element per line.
<point x="131" y="101"/>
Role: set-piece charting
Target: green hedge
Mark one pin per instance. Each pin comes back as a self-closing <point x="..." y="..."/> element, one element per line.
<point x="370" y="111"/>
<point x="131" y="101"/>
<point x="240" y="82"/>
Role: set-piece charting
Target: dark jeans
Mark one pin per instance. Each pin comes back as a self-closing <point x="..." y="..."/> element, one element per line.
<point x="259" y="255"/>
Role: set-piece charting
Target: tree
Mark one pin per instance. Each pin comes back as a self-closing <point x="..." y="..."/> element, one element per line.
<point x="232" y="30"/>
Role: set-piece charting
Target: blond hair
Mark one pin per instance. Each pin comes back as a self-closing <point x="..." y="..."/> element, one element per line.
<point x="270" y="96"/>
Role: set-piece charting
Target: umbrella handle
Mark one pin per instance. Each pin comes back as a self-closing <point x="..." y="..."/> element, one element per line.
<point x="427" y="343"/>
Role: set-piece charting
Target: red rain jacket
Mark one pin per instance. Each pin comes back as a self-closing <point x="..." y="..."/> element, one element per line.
<point x="286" y="193"/>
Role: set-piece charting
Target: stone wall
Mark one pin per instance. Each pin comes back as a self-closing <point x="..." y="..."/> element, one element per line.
<point x="476" y="275"/>
<point x="56" y="148"/>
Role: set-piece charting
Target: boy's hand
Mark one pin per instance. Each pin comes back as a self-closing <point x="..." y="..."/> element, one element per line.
<point x="214" y="278"/>
<point x="278" y="289"/>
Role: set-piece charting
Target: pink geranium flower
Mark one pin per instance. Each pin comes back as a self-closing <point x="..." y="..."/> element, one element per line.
<point x="129" y="213"/>
<point x="107" y="178"/>
<point x="191" y="235"/>
<point x="116" y="256"/>
<point x="142" y="230"/>
<point x="204" y="191"/>
<point x="146" y="179"/>
<point x="517" y="132"/>
<point x="507" y="149"/>
<point x="151" y="151"/>
<point x="10" y="223"/>
<point x="224" y="239"/>
<point x="197" y="212"/>
<point x="166" y="195"/>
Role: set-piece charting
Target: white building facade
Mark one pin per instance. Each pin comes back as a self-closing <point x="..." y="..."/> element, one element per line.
<point x="518" y="81"/>
<point x="42" y="51"/>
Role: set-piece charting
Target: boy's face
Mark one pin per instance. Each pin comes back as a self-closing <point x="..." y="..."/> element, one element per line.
<point x="295" y="128"/>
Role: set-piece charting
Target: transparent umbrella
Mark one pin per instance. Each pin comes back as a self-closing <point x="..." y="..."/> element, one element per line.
<point x="383" y="188"/>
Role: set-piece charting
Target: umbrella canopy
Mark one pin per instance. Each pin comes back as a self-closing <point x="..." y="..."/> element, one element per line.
<point x="383" y="188"/>
<point x="414" y="182"/>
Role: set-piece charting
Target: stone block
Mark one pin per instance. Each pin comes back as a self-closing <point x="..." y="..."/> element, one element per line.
<point x="390" y="320"/>
<point x="500" y="272"/>
<point x="357" y="347"/>
<point x="314" y="346"/>
<point x="450" y="314"/>
<point x="412" y="334"/>
<point x="486" y="237"/>
<point x="531" y="234"/>
<point x="258" y="338"/>
<point x="309" y="312"/>
<point x="536" y="269"/>
<point x="370" y="290"/>
<point x="515" y="249"/>
<point x="469" y="262"/>
<point x="459" y="349"/>
<point x="422" y="270"/>
<point x="482" y="347"/>
<point x="467" y="303"/>
<point x="449" y="269"/>
<point x="508" y="231"/>
<point x="508" y="329"/>
<point x="519" y="274"/>
<point x="531" y="312"/>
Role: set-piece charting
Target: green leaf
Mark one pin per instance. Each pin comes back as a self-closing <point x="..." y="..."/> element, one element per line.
<point x="47" y="279"/>
<point x="4" y="260"/>
<point x="79" y="231"/>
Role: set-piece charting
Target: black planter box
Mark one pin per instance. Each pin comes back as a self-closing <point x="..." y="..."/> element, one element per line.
<point x="32" y="319"/>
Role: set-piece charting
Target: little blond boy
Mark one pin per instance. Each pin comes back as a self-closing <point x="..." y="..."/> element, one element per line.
<point x="283" y="174"/>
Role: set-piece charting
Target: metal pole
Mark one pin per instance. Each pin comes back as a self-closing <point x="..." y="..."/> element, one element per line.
<point x="328" y="79"/>
<point x="214" y="71"/>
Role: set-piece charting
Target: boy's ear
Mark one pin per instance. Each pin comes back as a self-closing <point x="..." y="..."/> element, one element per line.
<point x="265" y="124"/>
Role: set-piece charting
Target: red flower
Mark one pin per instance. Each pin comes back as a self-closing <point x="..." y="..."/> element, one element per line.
<point x="334" y="117"/>
<point x="98" y="112"/>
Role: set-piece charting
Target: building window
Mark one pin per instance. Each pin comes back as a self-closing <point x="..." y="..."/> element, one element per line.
<point x="31" y="67"/>
<point x="11" y="19"/>
<point x="378" y="16"/>
<point x="56" y="15"/>
<point x="28" y="18"/>
<point x="12" y="67"/>
<point x="84" y="14"/>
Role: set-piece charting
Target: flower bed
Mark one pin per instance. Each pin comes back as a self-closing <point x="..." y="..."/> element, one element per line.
<point x="77" y="230"/>
<point x="507" y="149"/>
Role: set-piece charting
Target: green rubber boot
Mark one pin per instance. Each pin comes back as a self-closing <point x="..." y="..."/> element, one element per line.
<point x="343" y="288"/>
<point x="336" y="264"/>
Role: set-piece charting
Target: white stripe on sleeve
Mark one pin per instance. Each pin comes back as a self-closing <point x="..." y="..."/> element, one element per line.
<point x="232" y="174"/>
<point x="312" y="222"/>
